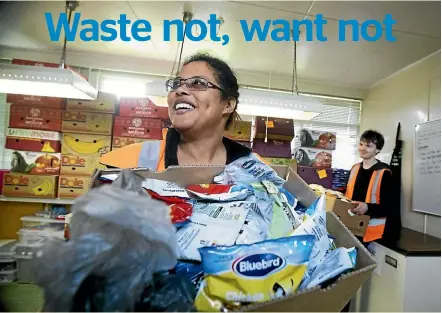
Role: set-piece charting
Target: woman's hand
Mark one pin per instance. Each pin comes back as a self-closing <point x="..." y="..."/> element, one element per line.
<point x="361" y="209"/>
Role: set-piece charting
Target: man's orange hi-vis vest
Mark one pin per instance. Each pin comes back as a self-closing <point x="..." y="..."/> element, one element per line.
<point x="149" y="154"/>
<point x="376" y="226"/>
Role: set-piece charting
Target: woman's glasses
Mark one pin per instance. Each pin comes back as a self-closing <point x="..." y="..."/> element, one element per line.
<point x="192" y="83"/>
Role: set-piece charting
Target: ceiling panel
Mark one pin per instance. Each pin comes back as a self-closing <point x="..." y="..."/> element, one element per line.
<point x="420" y="17"/>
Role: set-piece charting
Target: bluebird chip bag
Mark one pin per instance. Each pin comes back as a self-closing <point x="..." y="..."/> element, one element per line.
<point x="254" y="273"/>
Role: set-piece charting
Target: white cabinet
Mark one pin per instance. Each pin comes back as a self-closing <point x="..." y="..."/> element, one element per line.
<point x="402" y="282"/>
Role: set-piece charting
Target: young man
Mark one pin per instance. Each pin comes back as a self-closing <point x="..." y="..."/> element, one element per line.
<point x="370" y="186"/>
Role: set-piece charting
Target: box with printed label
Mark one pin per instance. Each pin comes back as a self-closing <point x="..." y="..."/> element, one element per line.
<point x="71" y="187"/>
<point x="38" y="101"/>
<point x="147" y="128"/>
<point x="326" y="298"/>
<point x="105" y="103"/>
<point x="282" y="161"/>
<point x="85" y="144"/>
<point x="240" y="130"/>
<point x="119" y="142"/>
<point x="274" y="128"/>
<point x="79" y="165"/>
<point x="30" y="186"/>
<point x="34" y="118"/>
<point x="316" y="158"/>
<point x="142" y="107"/>
<point x="35" y="163"/>
<point x="317" y="139"/>
<point x="272" y="148"/>
<point x="86" y="122"/>
<point x="33" y="140"/>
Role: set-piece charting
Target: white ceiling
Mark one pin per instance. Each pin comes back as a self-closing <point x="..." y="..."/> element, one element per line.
<point x="354" y="64"/>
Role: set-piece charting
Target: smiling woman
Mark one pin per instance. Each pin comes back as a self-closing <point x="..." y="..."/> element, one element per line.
<point x="202" y="102"/>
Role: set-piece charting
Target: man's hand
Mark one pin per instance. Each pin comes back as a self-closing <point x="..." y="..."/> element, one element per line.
<point x="361" y="209"/>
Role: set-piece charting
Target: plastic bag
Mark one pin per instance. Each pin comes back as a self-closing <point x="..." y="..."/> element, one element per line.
<point x="120" y="236"/>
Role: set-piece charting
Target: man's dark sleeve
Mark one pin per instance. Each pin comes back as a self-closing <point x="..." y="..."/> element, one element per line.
<point x="387" y="198"/>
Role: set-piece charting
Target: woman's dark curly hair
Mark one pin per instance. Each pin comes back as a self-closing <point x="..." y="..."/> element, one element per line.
<point x="225" y="77"/>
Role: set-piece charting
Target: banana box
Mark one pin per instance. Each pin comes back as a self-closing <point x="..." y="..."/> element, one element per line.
<point x="33" y="140"/>
<point x="35" y="163"/>
<point x="119" y="142"/>
<point x="104" y="103"/>
<point x="142" y="107"/>
<point x="34" y="118"/>
<point x="71" y="187"/>
<point x="240" y="130"/>
<point x="44" y="102"/>
<point x="79" y="165"/>
<point x="86" y="122"/>
<point x="29" y="186"/>
<point x="85" y="144"/>
<point x="147" y="128"/>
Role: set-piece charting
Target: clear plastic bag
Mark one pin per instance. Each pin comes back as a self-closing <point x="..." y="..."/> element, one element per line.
<point x="120" y="237"/>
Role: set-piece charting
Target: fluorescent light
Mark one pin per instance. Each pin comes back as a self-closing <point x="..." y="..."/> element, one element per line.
<point x="277" y="104"/>
<point x="44" y="81"/>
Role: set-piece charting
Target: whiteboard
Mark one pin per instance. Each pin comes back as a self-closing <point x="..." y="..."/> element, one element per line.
<point x="426" y="168"/>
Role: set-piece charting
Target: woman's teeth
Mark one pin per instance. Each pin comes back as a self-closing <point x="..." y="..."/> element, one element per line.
<point x="184" y="106"/>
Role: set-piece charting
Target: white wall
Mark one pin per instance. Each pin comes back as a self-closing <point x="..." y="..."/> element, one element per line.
<point x="410" y="97"/>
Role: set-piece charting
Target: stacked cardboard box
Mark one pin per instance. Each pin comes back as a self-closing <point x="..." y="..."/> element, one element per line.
<point x="87" y="131"/>
<point x="139" y="120"/>
<point x="272" y="139"/>
<point x="314" y="156"/>
<point x="240" y="131"/>
<point x="33" y="142"/>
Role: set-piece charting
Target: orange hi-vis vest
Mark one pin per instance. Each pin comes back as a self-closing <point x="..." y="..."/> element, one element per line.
<point x="148" y="154"/>
<point x="376" y="226"/>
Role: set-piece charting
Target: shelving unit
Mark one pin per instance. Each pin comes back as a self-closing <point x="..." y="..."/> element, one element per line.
<point x="36" y="200"/>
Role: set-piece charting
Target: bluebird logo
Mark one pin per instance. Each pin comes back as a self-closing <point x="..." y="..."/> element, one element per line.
<point x="248" y="164"/>
<point x="258" y="265"/>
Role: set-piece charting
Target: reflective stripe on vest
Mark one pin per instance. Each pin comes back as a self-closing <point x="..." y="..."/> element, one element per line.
<point x="376" y="226"/>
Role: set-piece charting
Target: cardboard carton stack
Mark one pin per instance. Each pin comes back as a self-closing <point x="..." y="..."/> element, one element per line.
<point x="272" y="139"/>
<point x="241" y="132"/>
<point x="33" y="141"/>
<point x="87" y="131"/>
<point x="139" y="120"/>
<point x="314" y="156"/>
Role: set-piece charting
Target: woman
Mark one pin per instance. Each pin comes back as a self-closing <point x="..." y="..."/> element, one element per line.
<point x="202" y="104"/>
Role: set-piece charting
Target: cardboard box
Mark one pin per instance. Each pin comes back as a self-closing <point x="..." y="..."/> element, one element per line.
<point x="142" y="107"/>
<point x="104" y="103"/>
<point x="317" y="139"/>
<point x="35" y="163"/>
<point x="37" y="101"/>
<point x="147" y="128"/>
<point x="272" y="148"/>
<point x="277" y="128"/>
<point x="33" y="140"/>
<point x="322" y="177"/>
<point x="85" y="144"/>
<point x="282" y="161"/>
<point x="29" y="186"/>
<point x="71" y="187"/>
<point x="79" y="165"/>
<point x="119" y="142"/>
<point x="86" y="122"/>
<point x="331" y="299"/>
<point x="240" y="130"/>
<point x="34" y="118"/>
<point x="316" y="158"/>
<point x="357" y="224"/>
